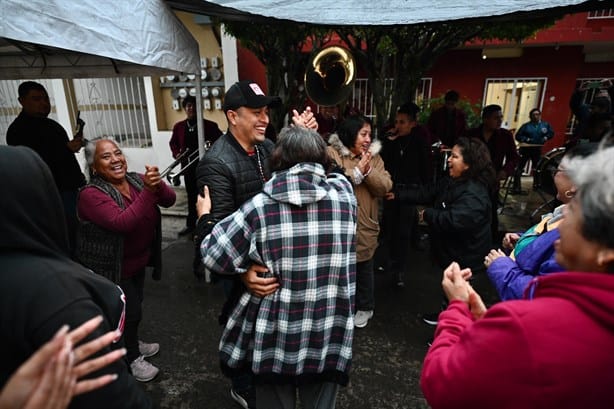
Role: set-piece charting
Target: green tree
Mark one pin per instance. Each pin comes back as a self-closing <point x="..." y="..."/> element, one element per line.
<point x="405" y="53"/>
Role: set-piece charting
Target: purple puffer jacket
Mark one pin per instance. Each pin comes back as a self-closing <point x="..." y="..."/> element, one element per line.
<point x="510" y="277"/>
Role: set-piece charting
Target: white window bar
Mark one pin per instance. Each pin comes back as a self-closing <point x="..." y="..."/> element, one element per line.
<point x="114" y="107"/>
<point x="600" y="14"/>
<point x="363" y="98"/>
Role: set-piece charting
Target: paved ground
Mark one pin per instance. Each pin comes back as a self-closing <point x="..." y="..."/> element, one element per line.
<point x="181" y="314"/>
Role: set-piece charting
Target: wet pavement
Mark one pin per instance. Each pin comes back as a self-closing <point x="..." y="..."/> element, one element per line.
<point x="181" y="312"/>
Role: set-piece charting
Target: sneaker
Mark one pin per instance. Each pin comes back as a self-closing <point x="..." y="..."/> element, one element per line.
<point x="362" y="318"/>
<point x="246" y="398"/>
<point x="142" y="370"/>
<point x="431" y="318"/>
<point x="148" y="350"/>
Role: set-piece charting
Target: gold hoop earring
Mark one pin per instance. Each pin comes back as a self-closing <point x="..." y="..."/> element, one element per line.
<point x="569" y="194"/>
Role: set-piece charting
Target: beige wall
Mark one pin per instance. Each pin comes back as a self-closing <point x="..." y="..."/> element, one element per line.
<point x="209" y="47"/>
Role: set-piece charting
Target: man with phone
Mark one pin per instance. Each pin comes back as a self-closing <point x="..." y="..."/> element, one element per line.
<point x="33" y="128"/>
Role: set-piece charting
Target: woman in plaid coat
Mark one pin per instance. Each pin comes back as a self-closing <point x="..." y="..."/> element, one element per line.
<point x="302" y="228"/>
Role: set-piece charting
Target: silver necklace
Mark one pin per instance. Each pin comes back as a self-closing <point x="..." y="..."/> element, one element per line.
<point x="259" y="163"/>
<point x="190" y="127"/>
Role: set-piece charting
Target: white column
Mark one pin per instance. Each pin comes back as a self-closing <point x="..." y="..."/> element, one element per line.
<point x="230" y="58"/>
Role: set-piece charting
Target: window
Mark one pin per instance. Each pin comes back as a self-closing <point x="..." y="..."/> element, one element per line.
<point x="113" y="107"/>
<point x="517" y="97"/>
<point x="363" y="100"/>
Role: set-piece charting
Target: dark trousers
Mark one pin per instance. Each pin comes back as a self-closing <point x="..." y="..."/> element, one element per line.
<point x="189" y="178"/>
<point x="133" y="290"/>
<point x="400" y="228"/>
<point x="365" y="300"/>
<point x="532" y="154"/>
<point x="313" y="396"/>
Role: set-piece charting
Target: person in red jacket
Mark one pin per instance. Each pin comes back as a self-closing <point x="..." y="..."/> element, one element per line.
<point x="185" y="137"/>
<point x="552" y="349"/>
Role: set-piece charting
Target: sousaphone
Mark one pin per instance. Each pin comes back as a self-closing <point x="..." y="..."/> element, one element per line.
<point x="330" y="75"/>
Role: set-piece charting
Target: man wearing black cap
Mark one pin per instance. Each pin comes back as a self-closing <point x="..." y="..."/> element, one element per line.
<point x="235" y="169"/>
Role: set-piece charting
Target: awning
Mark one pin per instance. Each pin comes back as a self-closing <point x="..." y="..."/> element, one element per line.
<point x="93" y="38"/>
<point x="379" y="12"/>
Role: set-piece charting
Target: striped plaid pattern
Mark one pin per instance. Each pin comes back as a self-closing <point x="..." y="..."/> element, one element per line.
<point x="302" y="227"/>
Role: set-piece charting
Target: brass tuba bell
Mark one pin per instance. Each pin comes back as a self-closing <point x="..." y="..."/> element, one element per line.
<point x="330" y="75"/>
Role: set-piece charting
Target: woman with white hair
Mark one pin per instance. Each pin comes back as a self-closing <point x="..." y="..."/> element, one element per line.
<point x="554" y="348"/>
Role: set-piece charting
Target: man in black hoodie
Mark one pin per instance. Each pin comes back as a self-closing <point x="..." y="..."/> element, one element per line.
<point x="42" y="289"/>
<point x="46" y="137"/>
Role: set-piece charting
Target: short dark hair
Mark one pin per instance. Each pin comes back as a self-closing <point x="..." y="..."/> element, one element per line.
<point x="296" y="144"/>
<point x="451" y="96"/>
<point x="490" y="109"/>
<point x="348" y="129"/>
<point x="410" y="109"/>
<point x="187" y="100"/>
<point x="27" y="86"/>
<point x="534" y="110"/>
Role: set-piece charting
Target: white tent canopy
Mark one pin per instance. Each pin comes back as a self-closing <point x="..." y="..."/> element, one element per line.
<point x="92" y="38"/>
<point x="379" y="12"/>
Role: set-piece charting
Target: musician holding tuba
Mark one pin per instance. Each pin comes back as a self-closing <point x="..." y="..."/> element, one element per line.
<point x="185" y="138"/>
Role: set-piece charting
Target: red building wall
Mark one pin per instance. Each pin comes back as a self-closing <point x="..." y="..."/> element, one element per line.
<point x="466" y="72"/>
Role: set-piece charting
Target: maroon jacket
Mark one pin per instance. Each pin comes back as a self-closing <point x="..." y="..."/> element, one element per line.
<point x="137" y="222"/>
<point x="502" y="149"/>
<point x="178" y="142"/>
<point x="552" y="351"/>
<point x="438" y="121"/>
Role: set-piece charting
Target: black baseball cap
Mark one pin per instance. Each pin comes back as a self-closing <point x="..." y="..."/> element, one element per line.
<point x="247" y="94"/>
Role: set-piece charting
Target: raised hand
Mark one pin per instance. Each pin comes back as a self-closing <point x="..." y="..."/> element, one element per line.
<point x="152" y="178"/>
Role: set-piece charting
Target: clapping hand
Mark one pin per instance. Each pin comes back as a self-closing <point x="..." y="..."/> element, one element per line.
<point x="306" y="119"/>
<point x="456" y="287"/>
<point x="51" y="376"/>
<point x="152" y="178"/>
<point x="492" y="256"/>
<point x="364" y="165"/>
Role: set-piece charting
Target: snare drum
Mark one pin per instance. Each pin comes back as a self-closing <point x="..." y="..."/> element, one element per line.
<point x="542" y="178"/>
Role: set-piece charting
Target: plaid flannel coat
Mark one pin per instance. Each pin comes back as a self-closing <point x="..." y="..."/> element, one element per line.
<point x="302" y="227"/>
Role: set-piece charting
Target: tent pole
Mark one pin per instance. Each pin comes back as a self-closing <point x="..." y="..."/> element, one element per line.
<point x="200" y="117"/>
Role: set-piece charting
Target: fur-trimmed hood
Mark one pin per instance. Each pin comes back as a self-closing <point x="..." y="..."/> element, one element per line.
<point x="335" y="142"/>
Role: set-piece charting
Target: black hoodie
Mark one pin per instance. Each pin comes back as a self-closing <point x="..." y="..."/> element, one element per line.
<point x="41" y="288"/>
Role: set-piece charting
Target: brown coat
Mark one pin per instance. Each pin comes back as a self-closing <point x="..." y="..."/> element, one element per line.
<point x="373" y="187"/>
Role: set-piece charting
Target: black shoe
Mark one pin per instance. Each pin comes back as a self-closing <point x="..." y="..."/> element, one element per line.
<point x="186" y="230"/>
<point x="246" y="398"/>
<point x="431" y="318"/>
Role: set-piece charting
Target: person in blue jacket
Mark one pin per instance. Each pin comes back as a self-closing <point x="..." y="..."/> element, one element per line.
<point x="532" y="253"/>
<point x="535" y="133"/>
